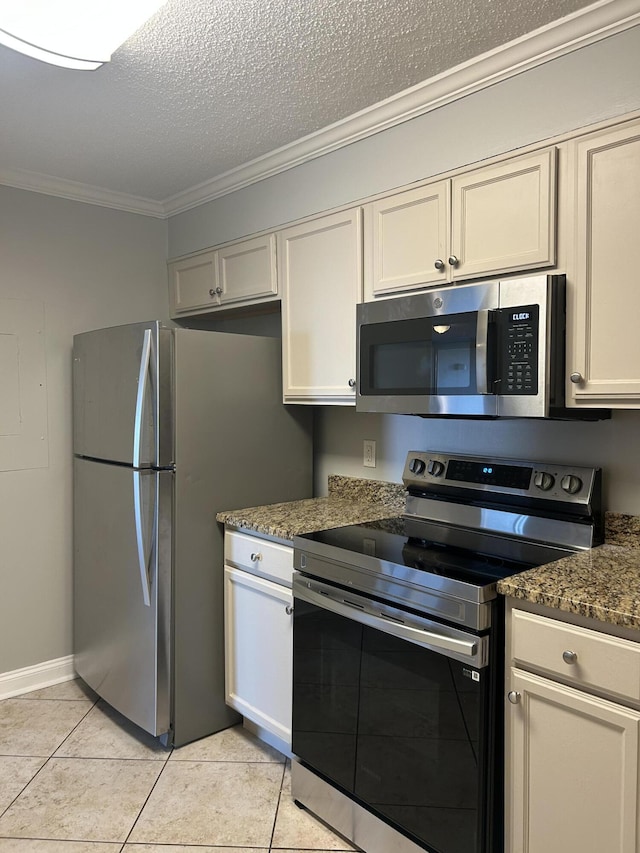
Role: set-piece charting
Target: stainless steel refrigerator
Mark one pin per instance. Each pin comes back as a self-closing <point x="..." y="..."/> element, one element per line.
<point x="170" y="426"/>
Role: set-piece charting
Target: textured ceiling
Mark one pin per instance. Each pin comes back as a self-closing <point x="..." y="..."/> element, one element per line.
<point x="207" y="85"/>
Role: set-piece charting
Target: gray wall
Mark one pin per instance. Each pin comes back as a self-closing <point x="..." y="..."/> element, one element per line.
<point x="90" y="267"/>
<point x="589" y="85"/>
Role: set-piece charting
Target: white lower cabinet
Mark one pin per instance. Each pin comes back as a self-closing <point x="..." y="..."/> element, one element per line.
<point x="571" y="757"/>
<point x="259" y="636"/>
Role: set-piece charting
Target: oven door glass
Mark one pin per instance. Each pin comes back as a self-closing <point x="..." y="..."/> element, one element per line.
<point x="400" y="727"/>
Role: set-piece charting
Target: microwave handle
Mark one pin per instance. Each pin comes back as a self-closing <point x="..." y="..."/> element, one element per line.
<point x="482" y="345"/>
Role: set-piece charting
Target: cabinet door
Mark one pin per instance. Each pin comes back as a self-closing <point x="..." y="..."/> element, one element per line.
<point x="259" y="650"/>
<point x="247" y="270"/>
<point x="504" y="216"/>
<point x="320" y="276"/>
<point x="193" y="283"/>
<point x="573" y="765"/>
<point x="606" y="351"/>
<point x="406" y="240"/>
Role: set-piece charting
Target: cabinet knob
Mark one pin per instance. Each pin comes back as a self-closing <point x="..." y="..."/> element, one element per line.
<point x="289" y="609"/>
<point x="513" y="696"/>
<point x="352" y="383"/>
<point x="219" y="291"/>
<point x="569" y="657"/>
<point x="453" y="261"/>
<point x="256" y="557"/>
<point x="576" y="378"/>
<point x="212" y="292"/>
<point x="439" y="264"/>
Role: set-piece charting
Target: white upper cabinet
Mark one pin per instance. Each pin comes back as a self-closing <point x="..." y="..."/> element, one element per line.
<point x="504" y="217"/>
<point x="193" y="283"/>
<point x="247" y="270"/>
<point x="492" y="220"/>
<point x="604" y="358"/>
<point x="240" y="273"/>
<point x="320" y="277"/>
<point x="407" y="240"/>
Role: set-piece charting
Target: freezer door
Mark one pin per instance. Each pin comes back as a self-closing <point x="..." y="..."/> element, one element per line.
<point x="122" y="395"/>
<point x="122" y="588"/>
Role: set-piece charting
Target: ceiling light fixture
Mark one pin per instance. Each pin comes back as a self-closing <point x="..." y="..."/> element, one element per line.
<point x="79" y="34"/>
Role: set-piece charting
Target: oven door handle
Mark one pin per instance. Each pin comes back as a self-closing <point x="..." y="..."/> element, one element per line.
<point x="421" y="636"/>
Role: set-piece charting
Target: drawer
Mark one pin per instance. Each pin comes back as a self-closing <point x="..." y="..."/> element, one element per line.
<point x="609" y="664"/>
<point x="259" y="556"/>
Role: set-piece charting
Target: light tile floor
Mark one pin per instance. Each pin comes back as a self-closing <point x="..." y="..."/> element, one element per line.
<point x="76" y="777"/>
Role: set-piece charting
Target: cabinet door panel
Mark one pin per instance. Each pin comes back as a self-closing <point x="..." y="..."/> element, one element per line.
<point x="247" y="270"/>
<point x="259" y="650"/>
<point x="503" y="217"/>
<point x="193" y="282"/>
<point x="408" y="233"/>
<point x="607" y="296"/>
<point x="320" y="272"/>
<point x="573" y="768"/>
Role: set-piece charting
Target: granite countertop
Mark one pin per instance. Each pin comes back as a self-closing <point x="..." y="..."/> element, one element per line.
<point x="602" y="584"/>
<point x="350" y="501"/>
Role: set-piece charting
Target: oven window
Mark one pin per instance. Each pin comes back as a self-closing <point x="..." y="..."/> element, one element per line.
<point x="400" y="727"/>
<point x="420" y="356"/>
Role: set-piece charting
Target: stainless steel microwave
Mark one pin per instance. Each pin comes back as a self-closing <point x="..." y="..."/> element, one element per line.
<point x="491" y="349"/>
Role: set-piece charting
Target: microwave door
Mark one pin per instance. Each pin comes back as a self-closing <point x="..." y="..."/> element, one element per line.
<point x="438" y="365"/>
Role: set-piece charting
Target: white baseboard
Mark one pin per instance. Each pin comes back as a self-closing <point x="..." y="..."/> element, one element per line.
<point x="36" y="677"/>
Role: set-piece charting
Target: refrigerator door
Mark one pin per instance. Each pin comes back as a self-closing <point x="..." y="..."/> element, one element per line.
<point x="122" y="587"/>
<point x="122" y="395"/>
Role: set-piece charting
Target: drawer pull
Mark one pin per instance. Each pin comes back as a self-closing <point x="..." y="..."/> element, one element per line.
<point x="569" y="657"/>
<point x="288" y="609"/>
<point x="513" y="696"/>
<point x="256" y="557"/>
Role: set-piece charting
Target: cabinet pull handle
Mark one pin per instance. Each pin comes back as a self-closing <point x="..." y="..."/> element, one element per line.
<point x="212" y="292"/>
<point x="453" y="261"/>
<point x="352" y="383"/>
<point x="513" y="696"/>
<point x="576" y="378"/>
<point x="289" y="609"/>
<point x="256" y="556"/>
<point x="439" y="264"/>
<point x="218" y="290"/>
<point x="569" y="657"/>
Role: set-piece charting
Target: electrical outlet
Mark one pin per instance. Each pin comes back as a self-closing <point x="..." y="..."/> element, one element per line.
<point x="369" y="453"/>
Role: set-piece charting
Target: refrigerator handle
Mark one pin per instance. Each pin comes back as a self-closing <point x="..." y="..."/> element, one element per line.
<point x="143" y="376"/>
<point x="142" y="557"/>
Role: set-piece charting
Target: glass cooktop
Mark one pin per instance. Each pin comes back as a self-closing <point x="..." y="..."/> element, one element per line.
<point x="388" y="542"/>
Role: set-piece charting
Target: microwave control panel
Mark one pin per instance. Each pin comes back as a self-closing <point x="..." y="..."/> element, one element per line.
<point x="518" y="350"/>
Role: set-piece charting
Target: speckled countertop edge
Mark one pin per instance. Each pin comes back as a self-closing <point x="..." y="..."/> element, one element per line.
<point x="351" y="500"/>
<point x="602" y="584"/>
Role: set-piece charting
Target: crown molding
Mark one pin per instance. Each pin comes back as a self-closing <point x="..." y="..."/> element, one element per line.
<point x="77" y="191"/>
<point x="589" y="25"/>
<point x="580" y="29"/>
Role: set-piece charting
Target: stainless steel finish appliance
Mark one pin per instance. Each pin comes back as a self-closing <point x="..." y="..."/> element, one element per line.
<point x="490" y="349"/>
<point x="399" y="645"/>
<point x="170" y="426"/>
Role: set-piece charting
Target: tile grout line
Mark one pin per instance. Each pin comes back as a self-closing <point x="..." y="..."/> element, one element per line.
<point x="275" y="817"/>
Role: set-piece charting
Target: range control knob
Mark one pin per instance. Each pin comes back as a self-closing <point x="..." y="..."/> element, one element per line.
<point x="571" y="484"/>
<point x="435" y="467"/>
<point x="543" y="480"/>
<point x="416" y="466"/>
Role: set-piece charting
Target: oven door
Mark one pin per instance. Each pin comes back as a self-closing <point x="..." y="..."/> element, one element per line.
<point x="395" y="710"/>
<point x="428" y="354"/>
